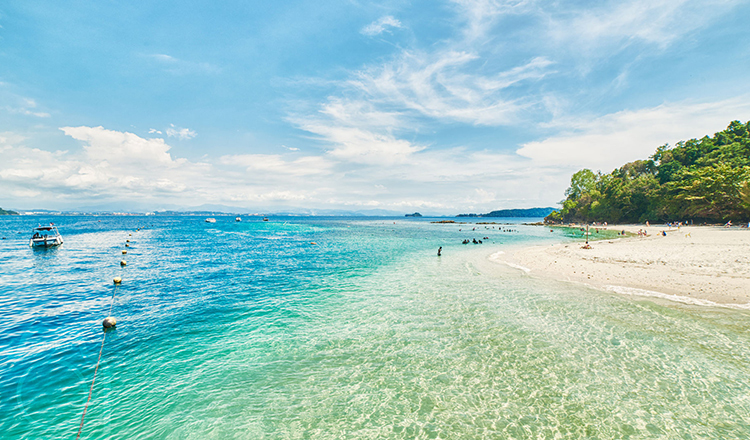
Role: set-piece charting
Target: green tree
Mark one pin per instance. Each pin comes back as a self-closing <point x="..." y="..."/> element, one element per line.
<point x="704" y="179"/>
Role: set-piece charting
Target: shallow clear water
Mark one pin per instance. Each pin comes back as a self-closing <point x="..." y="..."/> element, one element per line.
<point x="247" y="330"/>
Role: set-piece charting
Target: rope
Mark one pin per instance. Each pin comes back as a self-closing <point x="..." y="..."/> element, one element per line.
<point x="91" y="389"/>
<point x="98" y="361"/>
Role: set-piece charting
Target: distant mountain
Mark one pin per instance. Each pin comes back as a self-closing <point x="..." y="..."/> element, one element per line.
<point x="4" y="212"/>
<point x="528" y="212"/>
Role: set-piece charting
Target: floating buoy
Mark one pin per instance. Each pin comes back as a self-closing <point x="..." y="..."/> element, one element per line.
<point x="127" y="245"/>
<point x="130" y="235"/>
<point x="117" y="280"/>
<point x="109" y="322"/>
<point x="312" y="242"/>
<point x="127" y="241"/>
<point x="124" y="252"/>
<point x="123" y="263"/>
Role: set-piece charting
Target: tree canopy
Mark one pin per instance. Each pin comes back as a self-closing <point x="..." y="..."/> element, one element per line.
<point x="706" y="180"/>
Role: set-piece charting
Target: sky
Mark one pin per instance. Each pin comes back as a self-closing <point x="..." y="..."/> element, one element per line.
<point x="441" y="107"/>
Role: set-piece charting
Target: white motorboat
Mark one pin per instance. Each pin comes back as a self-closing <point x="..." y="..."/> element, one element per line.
<point x="46" y="236"/>
<point x="238" y="219"/>
<point x="210" y="220"/>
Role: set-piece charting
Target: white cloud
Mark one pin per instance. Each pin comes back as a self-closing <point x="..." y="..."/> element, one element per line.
<point x="363" y="146"/>
<point x="182" y="67"/>
<point x="364" y="170"/>
<point x="180" y="133"/>
<point x="481" y="15"/>
<point x="27" y="107"/>
<point x="658" y="22"/>
<point x="354" y="131"/>
<point x="117" y="147"/>
<point x="275" y="164"/>
<point x="448" y="85"/>
<point x="111" y="164"/>
<point x="609" y="141"/>
<point x="153" y="130"/>
<point x="383" y="24"/>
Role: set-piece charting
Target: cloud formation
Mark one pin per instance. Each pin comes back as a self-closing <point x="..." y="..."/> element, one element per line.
<point x="179" y="133"/>
<point x="609" y="141"/>
<point x="110" y="163"/>
<point x="383" y="24"/>
<point x="28" y="107"/>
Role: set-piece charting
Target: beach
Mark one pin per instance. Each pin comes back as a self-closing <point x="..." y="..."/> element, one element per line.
<point x="696" y="264"/>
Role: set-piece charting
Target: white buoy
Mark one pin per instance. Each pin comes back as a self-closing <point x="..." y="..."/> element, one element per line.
<point x="117" y="280"/>
<point x="109" y="322"/>
<point x="123" y="263"/>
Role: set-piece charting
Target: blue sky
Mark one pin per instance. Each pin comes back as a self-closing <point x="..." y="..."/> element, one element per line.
<point x="438" y="107"/>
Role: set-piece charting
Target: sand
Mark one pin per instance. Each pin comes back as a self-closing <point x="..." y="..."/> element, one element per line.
<point x="698" y="264"/>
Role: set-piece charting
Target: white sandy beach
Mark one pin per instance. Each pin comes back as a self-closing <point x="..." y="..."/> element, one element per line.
<point x="696" y="264"/>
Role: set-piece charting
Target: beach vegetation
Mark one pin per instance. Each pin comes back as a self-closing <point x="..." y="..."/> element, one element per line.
<point x="705" y="180"/>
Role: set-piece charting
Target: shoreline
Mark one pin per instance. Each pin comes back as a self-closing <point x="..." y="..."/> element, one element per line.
<point x="701" y="265"/>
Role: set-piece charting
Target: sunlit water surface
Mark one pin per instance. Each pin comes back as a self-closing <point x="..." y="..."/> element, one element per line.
<point x="247" y="330"/>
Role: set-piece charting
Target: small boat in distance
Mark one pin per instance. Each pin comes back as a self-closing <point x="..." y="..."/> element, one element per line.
<point x="46" y="236"/>
<point x="210" y="220"/>
<point x="238" y="219"/>
<point x="265" y="219"/>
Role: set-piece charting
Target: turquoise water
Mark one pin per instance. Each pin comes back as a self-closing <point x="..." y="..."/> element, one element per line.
<point x="248" y="331"/>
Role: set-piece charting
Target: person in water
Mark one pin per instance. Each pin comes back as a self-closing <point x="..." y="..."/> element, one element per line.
<point x="440" y="249"/>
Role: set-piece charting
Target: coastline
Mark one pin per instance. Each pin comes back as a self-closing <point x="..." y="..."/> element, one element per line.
<point x="704" y="265"/>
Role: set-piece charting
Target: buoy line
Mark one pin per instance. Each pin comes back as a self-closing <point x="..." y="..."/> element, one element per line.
<point x="108" y="322"/>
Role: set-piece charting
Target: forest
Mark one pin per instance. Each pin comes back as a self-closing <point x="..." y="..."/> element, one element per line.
<point x="703" y="180"/>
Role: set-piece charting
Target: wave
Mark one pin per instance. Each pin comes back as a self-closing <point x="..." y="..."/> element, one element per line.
<point x="676" y="298"/>
<point x="496" y="257"/>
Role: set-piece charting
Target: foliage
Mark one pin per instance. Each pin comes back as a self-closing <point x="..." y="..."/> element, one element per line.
<point x="4" y="212"/>
<point x="704" y="179"/>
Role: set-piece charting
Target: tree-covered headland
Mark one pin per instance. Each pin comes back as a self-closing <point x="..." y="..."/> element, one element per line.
<point x="4" y="212"/>
<point x="700" y="180"/>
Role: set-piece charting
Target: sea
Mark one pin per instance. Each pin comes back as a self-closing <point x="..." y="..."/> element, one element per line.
<point x="345" y="328"/>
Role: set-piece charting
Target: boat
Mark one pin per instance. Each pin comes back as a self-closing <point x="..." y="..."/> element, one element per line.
<point x="238" y="219"/>
<point x="46" y="236"/>
<point x="210" y="220"/>
<point x="265" y="219"/>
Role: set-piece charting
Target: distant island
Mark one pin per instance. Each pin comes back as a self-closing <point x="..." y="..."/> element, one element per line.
<point x="528" y="212"/>
<point x="416" y="214"/>
<point x="4" y="212"/>
<point x="700" y="180"/>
